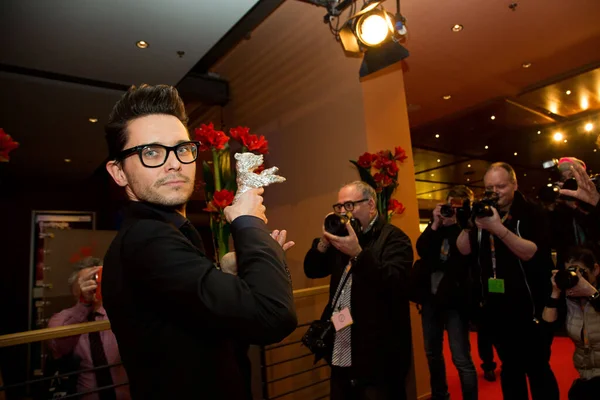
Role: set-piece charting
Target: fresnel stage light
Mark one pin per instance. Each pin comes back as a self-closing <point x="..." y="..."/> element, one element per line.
<point x="372" y="31"/>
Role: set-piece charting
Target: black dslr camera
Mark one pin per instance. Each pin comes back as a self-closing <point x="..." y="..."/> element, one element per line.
<point x="336" y="224"/>
<point x="483" y="207"/>
<point x="567" y="278"/>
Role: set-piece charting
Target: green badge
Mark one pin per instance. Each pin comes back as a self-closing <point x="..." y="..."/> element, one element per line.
<point x="496" y="285"/>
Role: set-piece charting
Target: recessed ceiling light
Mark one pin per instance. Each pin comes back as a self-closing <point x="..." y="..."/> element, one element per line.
<point x="515" y="153"/>
<point x="457" y="28"/>
<point x="468" y="165"/>
<point x="524" y="174"/>
<point x="549" y="185"/>
<point x="526" y="65"/>
<point x="493" y="117"/>
<point x="142" y="44"/>
<point x="468" y="180"/>
<point x="558" y="136"/>
<point x="93" y="120"/>
<point x="67" y="160"/>
<point x="432" y="174"/>
<point x="539" y="132"/>
<point x="549" y="179"/>
<point x="438" y="160"/>
<point x="434" y="187"/>
<point x="589" y="126"/>
<point x="487" y="147"/>
<point x="568" y="92"/>
<point x="584" y="103"/>
<point x="565" y="140"/>
<point x="447" y="97"/>
<point x="429" y="194"/>
<point x="437" y="135"/>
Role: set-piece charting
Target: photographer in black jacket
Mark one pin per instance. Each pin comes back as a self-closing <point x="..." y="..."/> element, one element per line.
<point x="513" y="253"/>
<point x="446" y="297"/>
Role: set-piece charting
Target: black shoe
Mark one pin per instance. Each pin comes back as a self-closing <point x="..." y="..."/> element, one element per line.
<point x="490" y="376"/>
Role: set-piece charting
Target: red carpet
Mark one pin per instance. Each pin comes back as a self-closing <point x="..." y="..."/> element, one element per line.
<point x="561" y="363"/>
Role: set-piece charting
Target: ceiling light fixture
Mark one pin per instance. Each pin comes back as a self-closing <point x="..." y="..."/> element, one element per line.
<point x="565" y="140"/>
<point x="437" y="135"/>
<point x="584" y="103"/>
<point x="589" y="126"/>
<point x="468" y="180"/>
<point x="558" y="136"/>
<point x="93" y="120"/>
<point x="515" y="153"/>
<point x="487" y="147"/>
<point x="468" y="165"/>
<point x="438" y="160"/>
<point x="539" y="132"/>
<point x="524" y="174"/>
<point x="526" y="65"/>
<point x="549" y="185"/>
<point x="493" y="117"/>
<point x="142" y="44"/>
<point x="67" y="160"/>
<point x="457" y="28"/>
<point x="447" y="97"/>
<point x="432" y="174"/>
<point x="568" y="92"/>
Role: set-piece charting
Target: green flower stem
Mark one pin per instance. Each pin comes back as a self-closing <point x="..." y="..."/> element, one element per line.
<point x="217" y="173"/>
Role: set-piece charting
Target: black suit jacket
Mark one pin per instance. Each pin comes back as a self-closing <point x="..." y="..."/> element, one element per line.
<point x="182" y="325"/>
<point x="381" y="334"/>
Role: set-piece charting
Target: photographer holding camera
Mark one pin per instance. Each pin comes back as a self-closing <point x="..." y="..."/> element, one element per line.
<point x="570" y="218"/>
<point x="445" y="288"/>
<point x="579" y="282"/>
<point x="511" y="245"/>
<point x="368" y="260"/>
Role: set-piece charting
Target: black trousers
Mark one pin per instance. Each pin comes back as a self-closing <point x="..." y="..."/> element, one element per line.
<point x="585" y="389"/>
<point x="345" y="385"/>
<point x="523" y="347"/>
<point x="485" y="348"/>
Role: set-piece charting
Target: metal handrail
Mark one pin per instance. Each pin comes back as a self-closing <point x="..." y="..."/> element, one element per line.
<point x="40" y="335"/>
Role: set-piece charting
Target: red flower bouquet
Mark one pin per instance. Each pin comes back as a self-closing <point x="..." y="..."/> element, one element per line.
<point x="380" y="170"/>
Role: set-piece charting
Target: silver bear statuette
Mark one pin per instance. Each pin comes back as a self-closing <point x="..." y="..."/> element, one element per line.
<point x="246" y="179"/>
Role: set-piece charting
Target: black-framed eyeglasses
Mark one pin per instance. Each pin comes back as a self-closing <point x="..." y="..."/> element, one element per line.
<point x="348" y="205"/>
<point x="155" y="155"/>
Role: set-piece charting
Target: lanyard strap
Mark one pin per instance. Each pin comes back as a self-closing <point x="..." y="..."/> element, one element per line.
<point x="493" y="247"/>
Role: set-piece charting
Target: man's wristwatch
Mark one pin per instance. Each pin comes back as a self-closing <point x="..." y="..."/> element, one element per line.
<point x="594" y="298"/>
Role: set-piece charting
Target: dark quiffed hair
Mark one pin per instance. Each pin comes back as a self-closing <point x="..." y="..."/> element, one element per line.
<point x="461" y="192"/>
<point x="139" y="102"/>
<point x="585" y="254"/>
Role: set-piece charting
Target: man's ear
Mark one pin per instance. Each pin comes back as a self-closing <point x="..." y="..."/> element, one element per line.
<point x="115" y="169"/>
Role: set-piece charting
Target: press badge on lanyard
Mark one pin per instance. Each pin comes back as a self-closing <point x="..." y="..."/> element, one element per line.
<point x="341" y="319"/>
<point x="495" y="285"/>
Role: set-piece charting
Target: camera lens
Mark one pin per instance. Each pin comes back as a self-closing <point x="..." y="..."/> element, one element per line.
<point x="336" y="225"/>
<point x="566" y="279"/>
<point x="447" y="211"/>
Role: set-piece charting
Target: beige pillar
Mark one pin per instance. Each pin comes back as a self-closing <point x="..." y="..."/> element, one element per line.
<point x="387" y="127"/>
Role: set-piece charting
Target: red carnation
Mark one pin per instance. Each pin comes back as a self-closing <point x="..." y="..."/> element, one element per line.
<point x="210" y="138"/>
<point x="239" y="133"/>
<point x="392" y="169"/>
<point x="257" y="143"/>
<point x="400" y="154"/>
<point x="366" y="160"/>
<point x="395" y="207"/>
<point x="221" y="199"/>
<point x="7" y="144"/>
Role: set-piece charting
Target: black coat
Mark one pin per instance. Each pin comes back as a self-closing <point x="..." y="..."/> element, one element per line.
<point x="381" y="333"/>
<point x="182" y="325"/>
<point x="456" y="290"/>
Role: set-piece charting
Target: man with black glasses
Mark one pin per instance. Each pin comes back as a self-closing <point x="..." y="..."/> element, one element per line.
<point x="182" y="324"/>
<point x="369" y="266"/>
